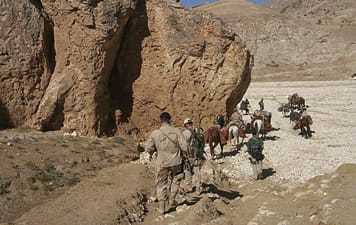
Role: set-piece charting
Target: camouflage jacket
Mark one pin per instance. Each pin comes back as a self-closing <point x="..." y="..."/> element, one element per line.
<point x="170" y="145"/>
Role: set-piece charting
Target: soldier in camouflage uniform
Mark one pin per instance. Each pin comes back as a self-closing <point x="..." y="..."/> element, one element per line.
<point x="195" y="140"/>
<point x="255" y="148"/>
<point x="171" y="146"/>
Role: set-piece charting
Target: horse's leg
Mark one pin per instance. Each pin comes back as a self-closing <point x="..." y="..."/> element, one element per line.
<point x="237" y="138"/>
<point x="302" y="130"/>
<point x="230" y="134"/>
<point x="211" y="147"/>
<point x="309" y="131"/>
<point x="222" y="150"/>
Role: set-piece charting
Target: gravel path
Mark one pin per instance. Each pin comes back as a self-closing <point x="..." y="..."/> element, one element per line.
<point x="295" y="159"/>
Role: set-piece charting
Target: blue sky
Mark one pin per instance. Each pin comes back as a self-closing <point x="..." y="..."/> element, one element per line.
<point x="197" y="2"/>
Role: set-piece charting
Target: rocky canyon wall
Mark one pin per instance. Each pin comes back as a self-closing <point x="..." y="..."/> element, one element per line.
<point x="69" y="64"/>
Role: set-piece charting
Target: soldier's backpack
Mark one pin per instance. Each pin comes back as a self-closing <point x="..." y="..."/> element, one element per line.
<point x="198" y="144"/>
<point x="255" y="149"/>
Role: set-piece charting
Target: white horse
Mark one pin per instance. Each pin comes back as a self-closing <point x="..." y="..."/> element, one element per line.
<point x="258" y="125"/>
<point x="234" y="135"/>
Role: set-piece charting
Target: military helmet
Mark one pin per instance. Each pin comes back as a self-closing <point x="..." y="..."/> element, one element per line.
<point x="187" y="120"/>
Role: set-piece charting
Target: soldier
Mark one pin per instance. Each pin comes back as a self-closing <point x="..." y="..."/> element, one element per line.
<point x="261" y="104"/>
<point x="171" y="147"/>
<point x="220" y="120"/>
<point x="244" y="106"/>
<point x="236" y="118"/>
<point x="255" y="148"/>
<point x="195" y="140"/>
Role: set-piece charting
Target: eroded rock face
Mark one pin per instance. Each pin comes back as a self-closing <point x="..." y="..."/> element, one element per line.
<point x="87" y="38"/>
<point x="68" y="64"/>
<point x="26" y="60"/>
<point x="190" y="65"/>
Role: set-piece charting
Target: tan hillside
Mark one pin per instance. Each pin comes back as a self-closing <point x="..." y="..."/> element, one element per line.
<point x="288" y="46"/>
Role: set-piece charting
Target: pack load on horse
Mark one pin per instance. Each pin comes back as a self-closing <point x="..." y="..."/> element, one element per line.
<point x="295" y="116"/>
<point x="285" y="109"/>
<point x="261" y="121"/>
<point x="296" y="102"/>
<point x="236" y="128"/>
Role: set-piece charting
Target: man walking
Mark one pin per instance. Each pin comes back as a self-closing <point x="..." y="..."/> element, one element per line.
<point x="261" y="104"/>
<point x="195" y="140"/>
<point x="255" y="148"/>
<point x="171" y="146"/>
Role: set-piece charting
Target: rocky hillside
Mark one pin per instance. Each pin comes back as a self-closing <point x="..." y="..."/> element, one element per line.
<point x="69" y="64"/>
<point x="295" y="40"/>
<point x="322" y="12"/>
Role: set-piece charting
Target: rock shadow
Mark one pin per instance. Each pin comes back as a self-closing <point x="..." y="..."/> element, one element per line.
<point x="5" y="120"/>
<point x="127" y="68"/>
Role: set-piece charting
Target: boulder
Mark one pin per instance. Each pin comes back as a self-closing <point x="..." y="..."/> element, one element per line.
<point x="69" y="64"/>
<point x="190" y="65"/>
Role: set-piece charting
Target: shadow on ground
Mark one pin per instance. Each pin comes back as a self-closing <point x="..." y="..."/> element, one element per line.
<point x="268" y="172"/>
<point x="231" y="195"/>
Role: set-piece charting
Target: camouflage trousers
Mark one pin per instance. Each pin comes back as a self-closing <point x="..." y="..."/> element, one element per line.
<point x="167" y="183"/>
<point x="257" y="168"/>
<point x="193" y="177"/>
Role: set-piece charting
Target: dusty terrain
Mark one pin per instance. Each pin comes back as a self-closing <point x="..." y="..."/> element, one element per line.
<point x="290" y="46"/>
<point x="91" y="183"/>
<point x="36" y="167"/>
<point x="295" y="159"/>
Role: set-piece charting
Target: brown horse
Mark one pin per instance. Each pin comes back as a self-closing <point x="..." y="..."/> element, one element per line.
<point x="215" y="136"/>
<point x="304" y="125"/>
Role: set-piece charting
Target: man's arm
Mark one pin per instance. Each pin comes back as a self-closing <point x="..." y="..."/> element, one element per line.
<point x="150" y="146"/>
<point x="183" y="144"/>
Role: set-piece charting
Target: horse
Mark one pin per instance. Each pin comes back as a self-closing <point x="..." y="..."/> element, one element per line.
<point x="235" y="132"/>
<point x="215" y="136"/>
<point x="284" y="109"/>
<point x="304" y="124"/>
<point x="294" y="116"/>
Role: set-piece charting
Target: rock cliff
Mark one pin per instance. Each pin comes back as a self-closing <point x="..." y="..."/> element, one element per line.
<point x="69" y="64"/>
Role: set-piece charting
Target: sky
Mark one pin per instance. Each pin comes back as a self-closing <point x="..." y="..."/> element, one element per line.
<point x="189" y="3"/>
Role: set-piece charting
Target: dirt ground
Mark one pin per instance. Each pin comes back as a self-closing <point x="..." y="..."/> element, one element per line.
<point x="333" y="109"/>
<point x="37" y="167"/>
<point x="51" y="179"/>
